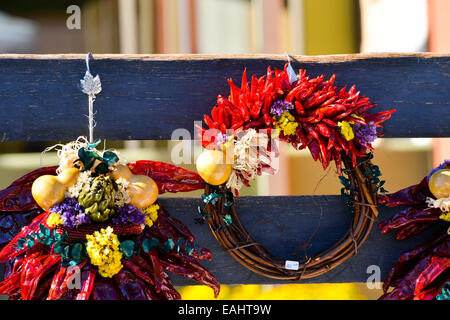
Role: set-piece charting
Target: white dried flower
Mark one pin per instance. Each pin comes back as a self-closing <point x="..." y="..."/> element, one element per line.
<point x="74" y="190"/>
<point x="442" y="203"/>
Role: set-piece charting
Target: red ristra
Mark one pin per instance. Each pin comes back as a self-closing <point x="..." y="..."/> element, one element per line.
<point x="319" y="105"/>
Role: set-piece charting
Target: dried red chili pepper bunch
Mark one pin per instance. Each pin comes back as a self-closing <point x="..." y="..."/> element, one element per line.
<point x="308" y="112"/>
<point x="421" y="273"/>
<point x="37" y="271"/>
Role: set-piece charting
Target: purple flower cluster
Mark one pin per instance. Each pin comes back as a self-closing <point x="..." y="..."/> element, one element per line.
<point x="128" y="214"/>
<point x="366" y="134"/>
<point x="280" y="106"/>
<point x="71" y="213"/>
<point x="443" y="165"/>
<point x="221" y="138"/>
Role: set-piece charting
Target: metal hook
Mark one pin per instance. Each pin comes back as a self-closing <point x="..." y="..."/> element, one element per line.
<point x="88" y="57"/>
<point x="288" y="56"/>
<point x="290" y="71"/>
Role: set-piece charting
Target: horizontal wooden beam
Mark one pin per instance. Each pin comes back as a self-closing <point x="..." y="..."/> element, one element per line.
<point x="148" y="96"/>
<point x="292" y="228"/>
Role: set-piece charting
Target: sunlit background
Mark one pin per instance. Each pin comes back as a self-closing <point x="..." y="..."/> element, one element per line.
<point x="300" y="27"/>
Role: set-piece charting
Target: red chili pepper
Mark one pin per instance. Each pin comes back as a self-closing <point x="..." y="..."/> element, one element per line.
<point x="158" y="272"/>
<point x="68" y="276"/>
<point x="436" y="267"/>
<point x="314" y="149"/>
<point x="431" y="293"/>
<point x="409" y="216"/>
<point x="10" y="284"/>
<point x="32" y="271"/>
<point x="299" y="108"/>
<point x="18" y="197"/>
<point x="144" y="274"/>
<point x="177" y="225"/>
<point x="415" y="194"/>
<point x="55" y="288"/>
<point x="411" y="265"/>
<point x="9" y="252"/>
<point x="168" y="177"/>
<point x="323" y="130"/>
<point x="88" y="285"/>
<point x="182" y="265"/>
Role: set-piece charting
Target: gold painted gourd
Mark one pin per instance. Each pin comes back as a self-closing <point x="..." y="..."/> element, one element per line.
<point x="439" y="183"/>
<point x="49" y="190"/>
<point x="212" y="167"/>
<point x="143" y="190"/>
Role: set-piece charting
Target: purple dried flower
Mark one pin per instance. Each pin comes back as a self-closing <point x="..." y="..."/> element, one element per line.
<point x="443" y="165"/>
<point x="280" y="106"/>
<point x="221" y="138"/>
<point x="128" y="214"/>
<point x="71" y="213"/>
<point x="366" y="134"/>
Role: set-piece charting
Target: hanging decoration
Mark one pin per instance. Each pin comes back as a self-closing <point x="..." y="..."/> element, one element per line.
<point x="239" y="141"/>
<point x="423" y="272"/>
<point x="97" y="219"/>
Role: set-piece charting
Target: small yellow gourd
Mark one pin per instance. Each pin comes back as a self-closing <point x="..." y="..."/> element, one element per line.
<point x="212" y="167"/>
<point x="439" y="183"/>
<point x="49" y="190"/>
<point x="143" y="190"/>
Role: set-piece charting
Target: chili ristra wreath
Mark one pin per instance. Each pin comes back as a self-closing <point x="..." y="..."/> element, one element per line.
<point x="334" y="124"/>
<point x="423" y="272"/>
<point x="97" y="218"/>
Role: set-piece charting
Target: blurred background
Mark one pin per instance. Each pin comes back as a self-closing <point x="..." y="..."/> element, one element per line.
<point x="300" y="27"/>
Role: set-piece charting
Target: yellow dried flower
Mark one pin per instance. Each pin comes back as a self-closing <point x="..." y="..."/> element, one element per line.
<point x="103" y="250"/>
<point x="445" y="216"/>
<point x="346" y="130"/>
<point x="151" y="214"/>
<point x="287" y="124"/>
<point x="53" y="220"/>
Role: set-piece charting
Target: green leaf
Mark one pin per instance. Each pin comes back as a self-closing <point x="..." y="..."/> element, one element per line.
<point x="48" y="241"/>
<point x="127" y="248"/>
<point x="110" y="158"/>
<point x="66" y="252"/>
<point x="102" y="168"/>
<point x="187" y="248"/>
<point x="42" y="228"/>
<point x="65" y="236"/>
<point x="76" y="251"/>
<point x="180" y="244"/>
<point x="57" y="249"/>
<point x="227" y="219"/>
<point x="150" y="245"/>
<point x="30" y="243"/>
<point x="88" y="158"/>
<point x="168" y="245"/>
<point x="73" y="262"/>
<point x="31" y="236"/>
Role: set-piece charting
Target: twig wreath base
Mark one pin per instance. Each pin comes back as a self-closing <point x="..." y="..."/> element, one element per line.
<point x="235" y="239"/>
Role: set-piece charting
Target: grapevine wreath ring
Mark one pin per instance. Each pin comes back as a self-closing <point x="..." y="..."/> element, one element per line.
<point x="335" y="126"/>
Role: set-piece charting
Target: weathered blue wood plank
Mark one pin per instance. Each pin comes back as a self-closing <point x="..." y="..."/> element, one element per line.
<point x="147" y="97"/>
<point x="290" y="228"/>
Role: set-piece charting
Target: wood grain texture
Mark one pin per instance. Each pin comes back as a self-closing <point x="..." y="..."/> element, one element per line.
<point x="148" y="96"/>
<point x="292" y="228"/>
